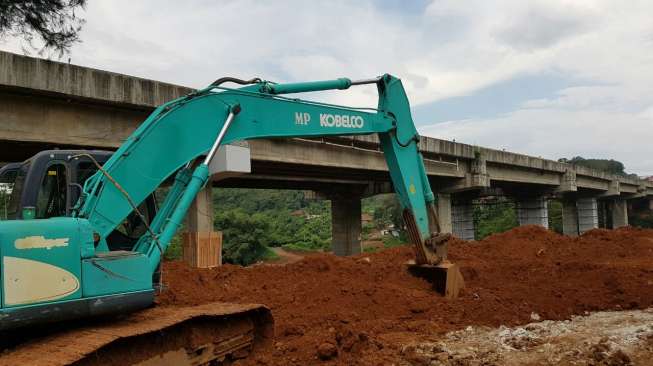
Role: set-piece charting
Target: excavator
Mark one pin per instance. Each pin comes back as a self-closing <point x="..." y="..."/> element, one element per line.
<point x="69" y="257"/>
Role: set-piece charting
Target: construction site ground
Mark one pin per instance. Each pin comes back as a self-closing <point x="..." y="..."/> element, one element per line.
<point x="368" y="310"/>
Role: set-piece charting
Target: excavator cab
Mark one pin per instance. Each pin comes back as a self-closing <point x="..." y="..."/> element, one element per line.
<point x="48" y="185"/>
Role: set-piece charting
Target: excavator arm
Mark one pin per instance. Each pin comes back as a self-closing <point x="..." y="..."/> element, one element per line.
<point x="177" y="134"/>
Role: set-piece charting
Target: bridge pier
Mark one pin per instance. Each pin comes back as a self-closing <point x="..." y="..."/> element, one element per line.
<point x="462" y="217"/>
<point x="202" y="245"/>
<point x="346" y="225"/>
<point x="533" y="211"/>
<point x="570" y="225"/>
<point x="444" y="212"/>
<point x="579" y="216"/>
<point x="588" y="214"/>
<point x="619" y="211"/>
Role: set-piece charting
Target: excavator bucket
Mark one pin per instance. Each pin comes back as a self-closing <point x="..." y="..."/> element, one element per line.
<point x="445" y="277"/>
<point x="209" y="334"/>
<point x="431" y="256"/>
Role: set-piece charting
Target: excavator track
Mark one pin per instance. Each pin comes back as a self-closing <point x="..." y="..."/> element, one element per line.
<point x="216" y="334"/>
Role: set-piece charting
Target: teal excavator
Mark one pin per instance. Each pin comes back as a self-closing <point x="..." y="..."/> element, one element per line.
<point x="68" y="267"/>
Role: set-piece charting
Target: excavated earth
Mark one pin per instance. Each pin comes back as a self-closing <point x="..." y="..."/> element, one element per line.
<point x="365" y="310"/>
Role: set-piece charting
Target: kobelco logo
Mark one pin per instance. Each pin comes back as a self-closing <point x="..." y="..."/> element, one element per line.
<point x="338" y="120"/>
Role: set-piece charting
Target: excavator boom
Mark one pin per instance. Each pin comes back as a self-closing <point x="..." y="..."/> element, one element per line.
<point x="200" y="122"/>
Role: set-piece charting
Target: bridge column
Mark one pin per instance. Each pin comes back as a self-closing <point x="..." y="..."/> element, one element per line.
<point x="569" y="217"/>
<point x="462" y="217"/>
<point x="202" y="245"/>
<point x="579" y="216"/>
<point x="619" y="210"/>
<point x="346" y="225"/>
<point x="444" y="212"/>
<point x="533" y="211"/>
<point x="588" y="214"/>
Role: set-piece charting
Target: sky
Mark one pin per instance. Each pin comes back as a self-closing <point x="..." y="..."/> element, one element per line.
<point x="547" y="78"/>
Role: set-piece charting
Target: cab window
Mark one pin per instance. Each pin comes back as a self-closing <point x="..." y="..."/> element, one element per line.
<point x="51" y="199"/>
<point x="7" y="180"/>
<point x="13" y="203"/>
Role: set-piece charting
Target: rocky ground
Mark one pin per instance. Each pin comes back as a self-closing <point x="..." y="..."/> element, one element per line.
<point x="602" y="338"/>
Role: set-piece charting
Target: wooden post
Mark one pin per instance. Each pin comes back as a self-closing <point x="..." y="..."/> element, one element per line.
<point x="203" y="249"/>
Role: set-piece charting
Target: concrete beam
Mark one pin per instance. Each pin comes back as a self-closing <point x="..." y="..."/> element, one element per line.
<point x="568" y="182"/>
<point x="55" y="121"/>
<point x="57" y="78"/>
<point x="614" y="189"/>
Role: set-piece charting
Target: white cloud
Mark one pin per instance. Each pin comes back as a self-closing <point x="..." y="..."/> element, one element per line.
<point x="453" y="48"/>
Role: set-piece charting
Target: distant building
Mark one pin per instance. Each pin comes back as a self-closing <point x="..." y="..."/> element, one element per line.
<point x="366" y="218"/>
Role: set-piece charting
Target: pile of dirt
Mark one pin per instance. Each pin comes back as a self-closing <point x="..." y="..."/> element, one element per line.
<point x="364" y="309"/>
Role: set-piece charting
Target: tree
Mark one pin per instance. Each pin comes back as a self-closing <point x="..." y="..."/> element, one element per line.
<point x="53" y="22"/>
<point x="610" y="166"/>
<point x="246" y="237"/>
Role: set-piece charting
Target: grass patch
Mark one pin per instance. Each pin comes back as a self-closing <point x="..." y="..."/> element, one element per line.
<point x="299" y="248"/>
<point x="391" y="242"/>
<point x="269" y="255"/>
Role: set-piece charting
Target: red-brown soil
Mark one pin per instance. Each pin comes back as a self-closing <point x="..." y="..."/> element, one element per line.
<point x="368" y="306"/>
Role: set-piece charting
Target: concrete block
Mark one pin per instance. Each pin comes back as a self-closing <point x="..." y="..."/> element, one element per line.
<point x="230" y="161"/>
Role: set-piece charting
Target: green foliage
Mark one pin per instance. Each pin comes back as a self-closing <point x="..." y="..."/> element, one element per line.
<point x="643" y="221"/>
<point x="174" y="250"/>
<point x="391" y="242"/>
<point x="245" y="236"/>
<point x="254" y="219"/>
<point x="385" y="210"/>
<point x="607" y="165"/>
<point x="270" y="255"/>
<point x="496" y="217"/>
<point x="555" y="216"/>
<point x="53" y="22"/>
<point x="315" y="234"/>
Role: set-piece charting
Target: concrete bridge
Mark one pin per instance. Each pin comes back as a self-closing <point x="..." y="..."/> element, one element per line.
<point x="46" y="104"/>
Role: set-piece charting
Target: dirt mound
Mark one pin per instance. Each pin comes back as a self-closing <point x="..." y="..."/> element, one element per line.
<point x="369" y="306"/>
